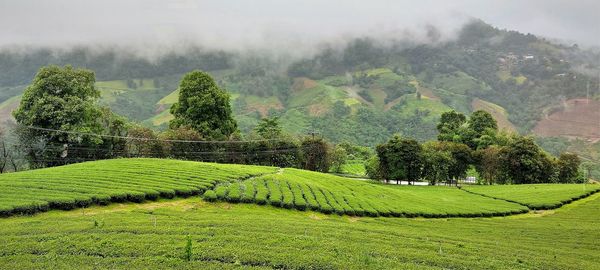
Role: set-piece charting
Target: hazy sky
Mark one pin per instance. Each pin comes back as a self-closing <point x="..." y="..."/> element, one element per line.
<point x="280" y="24"/>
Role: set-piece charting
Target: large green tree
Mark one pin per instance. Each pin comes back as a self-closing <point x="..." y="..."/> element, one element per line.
<point x="315" y="154"/>
<point x="480" y="121"/>
<point x="269" y="128"/>
<point x="568" y="168"/>
<point x="400" y="159"/>
<point x="203" y="106"/>
<point x="525" y="163"/>
<point x="59" y="98"/>
<point x="449" y="125"/>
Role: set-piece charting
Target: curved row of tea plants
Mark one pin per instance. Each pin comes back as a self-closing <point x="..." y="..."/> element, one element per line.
<point x="102" y="182"/>
<point x="537" y="196"/>
<point x="326" y="193"/>
<point x="246" y="236"/>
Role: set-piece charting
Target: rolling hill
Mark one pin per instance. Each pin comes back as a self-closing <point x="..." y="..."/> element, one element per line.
<point x="133" y="214"/>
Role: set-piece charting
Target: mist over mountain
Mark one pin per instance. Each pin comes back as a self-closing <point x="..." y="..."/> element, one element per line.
<point x="332" y="67"/>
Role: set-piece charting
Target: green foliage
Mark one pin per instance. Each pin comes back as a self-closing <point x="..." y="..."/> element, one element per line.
<point x="62" y="99"/>
<point x="339" y="157"/>
<point x="537" y="196"/>
<point x="400" y="159"/>
<point x="568" y="168"/>
<point x="188" y="248"/>
<point x="315" y="154"/>
<point x="525" y="163"/>
<point x="449" y="124"/>
<point x="102" y="182"/>
<point x="203" y="106"/>
<point x="269" y="128"/>
<point x="436" y="163"/>
<point x="210" y="195"/>
<point x="328" y="194"/>
<point x="373" y="168"/>
<point x="335" y="242"/>
<point x="480" y="121"/>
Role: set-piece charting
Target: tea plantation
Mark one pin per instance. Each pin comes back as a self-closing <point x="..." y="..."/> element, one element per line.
<point x="102" y="182"/>
<point x="325" y="193"/>
<point x="132" y="216"/>
<point x="537" y="196"/>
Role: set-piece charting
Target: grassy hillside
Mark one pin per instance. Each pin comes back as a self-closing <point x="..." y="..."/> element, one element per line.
<point x="154" y="235"/>
<point x="102" y="182"/>
<point x="541" y="196"/>
<point x="332" y="194"/>
<point x="499" y="114"/>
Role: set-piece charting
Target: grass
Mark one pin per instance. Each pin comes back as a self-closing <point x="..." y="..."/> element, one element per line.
<point x="411" y="103"/>
<point x="170" y="98"/>
<point x="497" y="111"/>
<point x="354" y="167"/>
<point x="103" y="182"/>
<point x="154" y="235"/>
<point x="329" y="194"/>
<point x="537" y="196"/>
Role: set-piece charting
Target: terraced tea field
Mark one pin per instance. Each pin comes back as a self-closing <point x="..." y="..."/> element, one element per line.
<point x="326" y="193"/>
<point x="153" y="235"/>
<point x="102" y="182"/>
<point x="537" y="196"/>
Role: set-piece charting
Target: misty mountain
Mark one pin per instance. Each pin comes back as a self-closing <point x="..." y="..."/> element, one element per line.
<point x="361" y="92"/>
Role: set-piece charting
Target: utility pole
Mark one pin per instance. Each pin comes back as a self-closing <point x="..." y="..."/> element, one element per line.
<point x="313" y="133"/>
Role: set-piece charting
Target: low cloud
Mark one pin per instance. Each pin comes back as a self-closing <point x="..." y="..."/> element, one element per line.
<point x="294" y="26"/>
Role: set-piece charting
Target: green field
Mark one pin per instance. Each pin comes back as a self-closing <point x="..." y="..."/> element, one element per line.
<point x="354" y="167"/>
<point x="102" y="182"/>
<point x="133" y="215"/>
<point x="540" y="196"/>
<point x="326" y="193"/>
<point x="244" y="236"/>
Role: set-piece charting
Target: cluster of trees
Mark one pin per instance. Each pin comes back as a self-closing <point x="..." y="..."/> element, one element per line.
<point x="475" y="142"/>
<point x="59" y="121"/>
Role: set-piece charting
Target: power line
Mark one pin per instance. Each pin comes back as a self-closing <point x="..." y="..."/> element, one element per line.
<point x="144" y="139"/>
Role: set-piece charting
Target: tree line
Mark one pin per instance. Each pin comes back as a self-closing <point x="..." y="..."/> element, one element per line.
<point x="59" y="122"/>
<point x="498" y="157"/>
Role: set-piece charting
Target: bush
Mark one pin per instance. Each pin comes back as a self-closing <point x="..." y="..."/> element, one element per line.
<point x="210" y="195"/>
<point x="221" y="192"/>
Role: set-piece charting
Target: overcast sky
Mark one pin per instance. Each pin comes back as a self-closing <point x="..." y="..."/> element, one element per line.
<point x="281" y="24"/>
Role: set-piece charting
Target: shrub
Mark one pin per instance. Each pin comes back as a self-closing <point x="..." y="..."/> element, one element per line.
<point x="210" y="195"/>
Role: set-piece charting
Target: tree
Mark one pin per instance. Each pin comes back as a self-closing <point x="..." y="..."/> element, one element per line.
<point x="339" y="156"/>
<point x="525" y="163"/>
<point x="315" y="154"/>
<point x="145" y="144"/>
<point x="568" y="167"/>
<point x="449" y="124"/>
<point x="59" y="99"/>
<point x="183" y="143"/>
<point x="373" y="168"/>
<point x="488" y="164"/>
<point x="204" y="107"/>
<point x="269" y="128"/>
<point x="400" y="159"/>
<point x="480" y="121"/>
<point x="461" y="155"/>
<point x="436" y="163"/>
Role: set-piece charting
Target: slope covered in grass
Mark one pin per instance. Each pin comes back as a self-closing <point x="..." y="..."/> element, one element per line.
<point x="537" y="196"/>
<point x="101" y="182"/>
<point x="326" y="193"/>
<point x="153" y="235"/>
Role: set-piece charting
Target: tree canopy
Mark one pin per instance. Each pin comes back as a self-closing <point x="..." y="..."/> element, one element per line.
<point x="59" y="98"/>
<point x="204" y="107"/>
